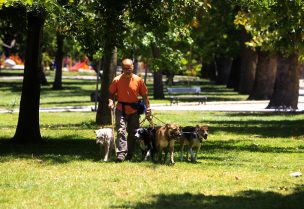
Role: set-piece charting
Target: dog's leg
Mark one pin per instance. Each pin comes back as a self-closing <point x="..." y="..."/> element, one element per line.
<point x="191" y="153"/>
<point x="166" y="154"/>
<point x="148" y="155"/>
<point x="143" y="154"/>
<point x="160" y="155"/>
<point x="187" y="154"/>
<point x="106" y="153"/>
<point x="101" y="151"/>
<point x="197" y="151"/>
<point x="172" y="152"/>
<point x="181" y="152"/>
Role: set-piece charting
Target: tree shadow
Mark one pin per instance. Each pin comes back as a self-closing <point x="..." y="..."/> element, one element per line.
<point x="52" y="151"/>
<point x="216" y="146"/>
<point x="260" y="128"/>
<point x="245" y="200"/>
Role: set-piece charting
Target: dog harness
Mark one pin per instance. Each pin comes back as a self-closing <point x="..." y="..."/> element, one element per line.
<point x="194" y="133"/>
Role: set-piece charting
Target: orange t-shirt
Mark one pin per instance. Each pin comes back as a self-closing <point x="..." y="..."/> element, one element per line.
<point x="127" y="90"/>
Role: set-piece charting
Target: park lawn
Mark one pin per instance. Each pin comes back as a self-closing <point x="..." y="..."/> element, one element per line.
<point x="245" y="163"/>
<point x="76" y="92"/>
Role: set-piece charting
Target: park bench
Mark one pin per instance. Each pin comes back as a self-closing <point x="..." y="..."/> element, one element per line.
<point x="176" y="94"/>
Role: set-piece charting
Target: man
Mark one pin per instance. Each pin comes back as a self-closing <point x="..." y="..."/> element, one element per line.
<point x="126" y="88"/>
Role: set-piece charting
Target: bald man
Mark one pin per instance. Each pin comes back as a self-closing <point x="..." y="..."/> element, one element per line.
<point x="126" y="88"/>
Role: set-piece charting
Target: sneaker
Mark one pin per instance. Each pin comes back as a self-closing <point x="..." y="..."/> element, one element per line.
<point x="120" y="159"/>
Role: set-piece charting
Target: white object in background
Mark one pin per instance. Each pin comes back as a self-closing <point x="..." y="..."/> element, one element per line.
<point x="296" y="174"/>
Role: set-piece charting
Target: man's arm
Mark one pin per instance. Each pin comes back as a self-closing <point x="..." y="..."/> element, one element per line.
<point x="147" y="103"/>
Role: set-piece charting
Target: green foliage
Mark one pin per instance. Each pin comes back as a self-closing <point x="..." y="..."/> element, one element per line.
<point x="164" y="25"/>
<point x="215" y="33"/>
<point x="275" y="25"/>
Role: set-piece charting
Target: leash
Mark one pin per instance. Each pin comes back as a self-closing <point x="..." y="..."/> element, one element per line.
<point x="153" y="116"/>
<point x="113" y="129"/>
<point x="151" y="124"/>
<point x="151" y="120"/>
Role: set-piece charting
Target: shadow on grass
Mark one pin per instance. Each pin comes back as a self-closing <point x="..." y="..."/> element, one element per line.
<point x="61" y="150"/>
<point x="260" y="128"/>
<point x="232" y="145"/>
<point x="85" y="125"/>
<point x="245" y="200"/>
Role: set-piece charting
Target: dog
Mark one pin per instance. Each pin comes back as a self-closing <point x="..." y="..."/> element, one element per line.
<point x="105" y="138"/>
<point x="146" y="140"/>
<point x="192" y="136"/>
<point x="165" y="137"/>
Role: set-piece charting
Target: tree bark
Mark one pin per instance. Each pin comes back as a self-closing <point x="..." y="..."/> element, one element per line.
<point x="223" y="67"/>
<point x="234" y="78"/>
<point x="103" y="115"/>
<point x="28" y="130"/>
<point x="57" y="85"/>
<point x="265" y="77"/>
<point x="248" y="63"/>
<point x="208" y="71"/>
<point x="158" y="86"/>
<point x="286" y="88"/>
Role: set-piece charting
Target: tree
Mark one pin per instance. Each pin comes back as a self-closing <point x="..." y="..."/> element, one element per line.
<point x="277" y="27"/>
<point x="265" y="77"/>
<point x="167" y="25"/>
<point x="217" y="40"/>
<point x="116" y="20"/>
<point x="28" y="129"/>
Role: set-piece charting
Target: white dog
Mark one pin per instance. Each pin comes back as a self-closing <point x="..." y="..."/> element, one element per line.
<point x="105" y="138"/>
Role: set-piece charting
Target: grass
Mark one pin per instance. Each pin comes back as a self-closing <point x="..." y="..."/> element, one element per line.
<point x="77" y="92"/>
<point x="245" y="163"/>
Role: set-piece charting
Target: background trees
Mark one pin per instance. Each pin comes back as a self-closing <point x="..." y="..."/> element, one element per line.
<point x="253" y="46"/>
<point x="277" y="28"/>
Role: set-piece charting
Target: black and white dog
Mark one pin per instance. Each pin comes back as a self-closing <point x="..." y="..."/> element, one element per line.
<point x="192" y="136"/>
<point x="146" y="139"/>
<point x="105" y="139"/>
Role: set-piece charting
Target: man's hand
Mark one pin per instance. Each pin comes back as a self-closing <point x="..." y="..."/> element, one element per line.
<point x="148" y="113"/>
<point x="111" y="104"/>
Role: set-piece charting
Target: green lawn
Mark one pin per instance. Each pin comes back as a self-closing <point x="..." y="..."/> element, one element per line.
<point x="245" y="163"/>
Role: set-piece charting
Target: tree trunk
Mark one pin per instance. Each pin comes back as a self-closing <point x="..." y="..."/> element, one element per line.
<point x="28" y="130"/>
<point x="265" y="77"/>
<point x="248" y="63"/>
<point x="170" y="78"/>
<point x="103" y="115"/>
<point x="57" y="85"/>
<point x="158" y="92"/>
<point x="223" y="67"/>
<point x="234" y="78"/>
<point x="286" y="88"/>
<point x="208" y="71"/>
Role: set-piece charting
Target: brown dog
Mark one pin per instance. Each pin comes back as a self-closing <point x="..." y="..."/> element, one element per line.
<point x="165" y="137"/>
<point x="192" y="136"/>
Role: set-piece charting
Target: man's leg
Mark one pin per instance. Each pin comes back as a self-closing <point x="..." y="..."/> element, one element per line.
<point x="133" y="123"/>
<point x="121" y="141"/>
